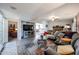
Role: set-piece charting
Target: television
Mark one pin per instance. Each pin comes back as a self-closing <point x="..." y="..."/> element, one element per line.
<point x="27" y="27"/>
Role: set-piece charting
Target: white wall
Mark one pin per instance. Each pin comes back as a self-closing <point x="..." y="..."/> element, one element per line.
<point x="59" y="22"/>
<point x="44" y="25"/>
<point x="1" y="29"/>
<point x="5" y="31"/>
<point x="74" y="26"/>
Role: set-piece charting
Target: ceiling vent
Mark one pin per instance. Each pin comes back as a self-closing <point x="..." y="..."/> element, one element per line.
<point x="12" y="7"/>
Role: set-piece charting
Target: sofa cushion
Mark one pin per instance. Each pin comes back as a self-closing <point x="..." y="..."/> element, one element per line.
<point x="65" y="49"/>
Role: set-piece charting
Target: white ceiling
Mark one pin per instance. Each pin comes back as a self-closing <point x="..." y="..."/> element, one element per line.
<point x="43" y="10"/>
<point x="66" y="11"/>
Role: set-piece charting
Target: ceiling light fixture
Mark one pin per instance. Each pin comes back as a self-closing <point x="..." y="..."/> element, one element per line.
<point x="54" y="17"/>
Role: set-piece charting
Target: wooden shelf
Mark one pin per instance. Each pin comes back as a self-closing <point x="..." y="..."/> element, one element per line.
<point x="57" y="28"/>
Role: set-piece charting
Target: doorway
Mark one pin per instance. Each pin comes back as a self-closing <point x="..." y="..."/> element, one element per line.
<point x="12" y="30"/>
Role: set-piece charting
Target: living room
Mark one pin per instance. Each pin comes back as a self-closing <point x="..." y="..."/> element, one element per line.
<point x="37" y="24"/>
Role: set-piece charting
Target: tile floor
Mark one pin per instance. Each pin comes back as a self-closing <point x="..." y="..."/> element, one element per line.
<point x="26" y="47"/>
<point x="10" y="48"/>
<point x="20" y="47"/>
